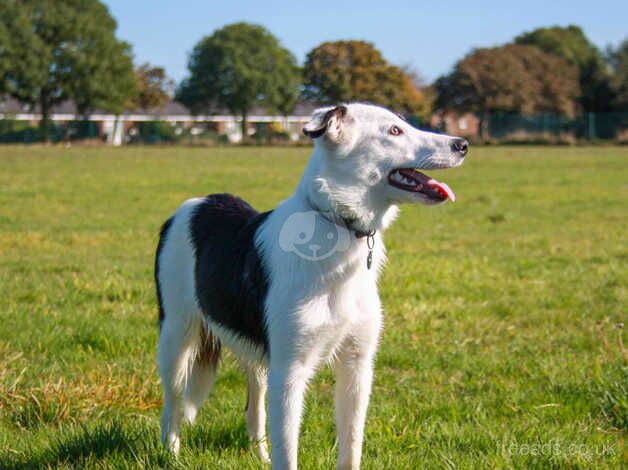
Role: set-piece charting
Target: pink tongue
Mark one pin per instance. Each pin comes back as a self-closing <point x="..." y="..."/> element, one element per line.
<point x="443" y="189"/>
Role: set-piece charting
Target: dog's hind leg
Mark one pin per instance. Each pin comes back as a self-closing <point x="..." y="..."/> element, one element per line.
<point x="255" y="412"/>
<point x="178" y="341"/>
<point x="202" y="374"/>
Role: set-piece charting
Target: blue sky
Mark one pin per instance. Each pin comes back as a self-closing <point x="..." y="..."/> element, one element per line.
<point x="430" y="36"/>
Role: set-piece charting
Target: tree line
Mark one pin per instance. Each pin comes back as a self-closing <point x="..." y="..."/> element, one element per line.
<point x="53" y="51"/>
<point x="548" y="70"/>
<point x="67" y="50"/>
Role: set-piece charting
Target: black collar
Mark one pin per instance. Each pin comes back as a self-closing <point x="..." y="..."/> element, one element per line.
<point x="346" y="223"/>
<point x="370" y="236"/>
<point x="360" y="233"/>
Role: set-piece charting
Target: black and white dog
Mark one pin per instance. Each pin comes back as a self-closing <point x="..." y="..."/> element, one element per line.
<point x="289" y="289"/>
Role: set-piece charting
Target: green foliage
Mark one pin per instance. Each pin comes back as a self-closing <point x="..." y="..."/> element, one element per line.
<point x="238" y="67"/>
<point x="104" y="77"/>
<point x="22" y="132"/>
<point x="66" y="49"/>
<point x="5" y="51"/>
<point x="12" y="131"/>
<point x="618" y="60"/>
<point x="491" y="354"/>
<point x="571" y="44"/>
<point x="24" y="54"/>
<point x="154" y="132"/>
<point x="153" y="88"/>
<point x="512" y="79"/>
<point x="356" y="71"/>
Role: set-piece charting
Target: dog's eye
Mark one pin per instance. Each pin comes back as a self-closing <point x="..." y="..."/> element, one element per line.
<point x="394" y="130"/>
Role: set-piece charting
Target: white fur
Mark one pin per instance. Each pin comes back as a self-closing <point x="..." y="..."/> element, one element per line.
<point x="318" y="310"/>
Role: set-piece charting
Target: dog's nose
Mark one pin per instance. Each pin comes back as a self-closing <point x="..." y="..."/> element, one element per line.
<point x="460" y="146"/>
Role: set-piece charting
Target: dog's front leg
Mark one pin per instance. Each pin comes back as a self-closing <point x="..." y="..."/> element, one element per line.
<point x="354" y="375"/>
<point x="286" y="388"/>
<point x="296" y="349"/>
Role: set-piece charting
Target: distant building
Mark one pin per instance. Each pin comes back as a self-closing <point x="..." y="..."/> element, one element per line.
<point x="458" y="124"/>
<point x="118" y="129"/>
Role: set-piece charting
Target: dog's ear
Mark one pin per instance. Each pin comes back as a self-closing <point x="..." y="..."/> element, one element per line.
<point x="324" y="120"/>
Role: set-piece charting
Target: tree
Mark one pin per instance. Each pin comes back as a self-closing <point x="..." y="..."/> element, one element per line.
<point x="571" y="44"/>
<point x="5" y="51"/>
<point x="425" y="107"/>
<point x="20" y="69"/>
<point x="106" y="83"/>
<point x="618" y="61"/>
<point x="65" y="50"/>
<point x="357" y="71"/>
<point x="238" y="67"/>
<point x="153" y="86"/>
<point x="511" y="79"/>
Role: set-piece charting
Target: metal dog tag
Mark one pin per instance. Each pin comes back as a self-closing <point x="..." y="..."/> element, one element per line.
<point x="370" y="243"/>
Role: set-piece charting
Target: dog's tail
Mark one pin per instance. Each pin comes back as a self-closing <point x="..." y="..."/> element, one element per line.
<point x="209" y="348"/>
<point x="165" y="229"/>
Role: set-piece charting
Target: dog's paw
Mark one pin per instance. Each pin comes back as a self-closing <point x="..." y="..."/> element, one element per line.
<point x="261" y="449"/>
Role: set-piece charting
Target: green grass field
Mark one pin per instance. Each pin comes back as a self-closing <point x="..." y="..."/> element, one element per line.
<point x="502" y="345"/>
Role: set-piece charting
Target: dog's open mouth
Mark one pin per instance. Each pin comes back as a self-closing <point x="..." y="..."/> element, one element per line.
<point x="409" y="179"/>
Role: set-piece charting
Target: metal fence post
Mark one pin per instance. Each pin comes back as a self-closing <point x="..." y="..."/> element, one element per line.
<point x="591" y="117"/>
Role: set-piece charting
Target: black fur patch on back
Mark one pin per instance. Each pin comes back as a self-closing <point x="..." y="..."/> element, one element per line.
<point x="231" y="283"/>
<point x="162" y="240"/>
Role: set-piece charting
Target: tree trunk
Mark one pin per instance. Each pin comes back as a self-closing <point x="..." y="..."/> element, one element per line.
<point x="245" y="130"/>
<point x="44" y="123"/>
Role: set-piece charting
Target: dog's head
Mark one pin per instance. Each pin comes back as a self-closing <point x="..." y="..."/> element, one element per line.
<point x="368" y="158"/>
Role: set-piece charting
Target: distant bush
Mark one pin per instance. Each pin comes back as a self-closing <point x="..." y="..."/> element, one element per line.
<point x="152" y="132"/>
<point x="13" y="132"/>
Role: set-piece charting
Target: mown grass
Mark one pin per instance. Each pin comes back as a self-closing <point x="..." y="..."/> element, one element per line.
<point x="502" y="347"/>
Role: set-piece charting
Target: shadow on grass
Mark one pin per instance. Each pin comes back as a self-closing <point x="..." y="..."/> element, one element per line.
<point x="218" y="436"/>
<point x="122" y="444"/>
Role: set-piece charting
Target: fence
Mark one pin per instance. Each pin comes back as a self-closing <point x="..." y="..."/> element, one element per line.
<point x="589" y="126"/>
<point x="23" y="132"/>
